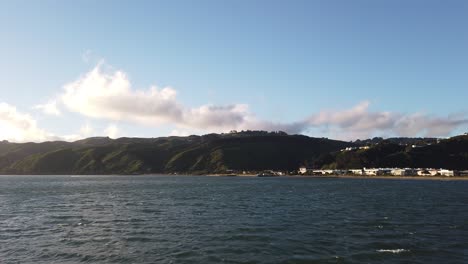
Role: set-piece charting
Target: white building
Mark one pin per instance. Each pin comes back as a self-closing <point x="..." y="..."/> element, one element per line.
<point x="349" y="149"/>
<point x="339" y="172"/>
<point x="398" y="172"/>
<point x="427" y="172"/>
<point x="323" y="172"/>
<point x="329" y="172"/>
<point x="448" y="173"/>
<point x="402" y="172"/>
<point x="302" y="170"/>
<point x="372" y="172"/>
<point x="356" y="171"/>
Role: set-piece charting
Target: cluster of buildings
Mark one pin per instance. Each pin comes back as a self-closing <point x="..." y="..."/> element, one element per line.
<point x="385" y="171"/>
<point x="354" y="148"/>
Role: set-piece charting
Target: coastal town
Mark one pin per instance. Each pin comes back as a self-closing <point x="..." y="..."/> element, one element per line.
<point x="423" y="172"/>
<point x="364" y="172"/>
<point x="384" y="172"/>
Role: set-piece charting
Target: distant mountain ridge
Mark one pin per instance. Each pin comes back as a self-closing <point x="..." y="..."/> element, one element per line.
<point x="212" y="153"/>
<point x="224" y="153"/>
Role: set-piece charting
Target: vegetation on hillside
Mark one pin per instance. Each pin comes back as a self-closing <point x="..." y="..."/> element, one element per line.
<point x="212" y="153"/>
<point x="450" y="153"/>
<point x="221" y="153"/>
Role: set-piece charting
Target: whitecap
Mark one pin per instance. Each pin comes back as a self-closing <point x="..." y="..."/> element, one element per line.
<point x="394" y="251"/>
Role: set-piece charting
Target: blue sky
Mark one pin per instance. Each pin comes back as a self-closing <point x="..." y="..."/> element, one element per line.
<point x="321" y="68"/>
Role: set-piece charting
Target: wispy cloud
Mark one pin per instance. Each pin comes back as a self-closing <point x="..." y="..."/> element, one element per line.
<point x="49" y="108"/>
<point x="87" y="56"/>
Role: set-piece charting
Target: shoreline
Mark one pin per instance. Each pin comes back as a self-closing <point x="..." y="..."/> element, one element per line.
<point x="441" y="178"/>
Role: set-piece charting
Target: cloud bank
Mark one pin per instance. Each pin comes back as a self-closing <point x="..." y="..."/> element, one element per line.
<point x="108" y="95"/>
<point x="103" y="95"/>
<point x="360" y="122"/>
<point x="16" y="126"/>
<point x="20" y="127"/>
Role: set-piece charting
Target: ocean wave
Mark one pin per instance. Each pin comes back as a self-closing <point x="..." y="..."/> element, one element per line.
<point x="394" y="251"/>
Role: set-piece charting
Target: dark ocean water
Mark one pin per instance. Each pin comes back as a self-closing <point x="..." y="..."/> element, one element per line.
<point x="175" y="219"/>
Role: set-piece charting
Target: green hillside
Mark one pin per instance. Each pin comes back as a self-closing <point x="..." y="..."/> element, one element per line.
<point x="219" y="153"/>
<point x="213" y="153"/>
<point x="450" y="153"/>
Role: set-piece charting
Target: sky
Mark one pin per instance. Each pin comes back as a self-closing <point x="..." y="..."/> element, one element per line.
<point x="334" y="68"/>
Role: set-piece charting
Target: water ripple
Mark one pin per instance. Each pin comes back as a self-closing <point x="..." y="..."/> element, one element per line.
<point x="155" y="219"/>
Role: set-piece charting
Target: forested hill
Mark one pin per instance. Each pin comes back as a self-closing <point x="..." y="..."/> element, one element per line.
<point x="449" y="153"/>
<point x="212" y="153"/>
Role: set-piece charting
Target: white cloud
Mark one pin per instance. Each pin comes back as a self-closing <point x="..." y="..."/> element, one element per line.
<point x="99" y="94"/>
<point x="216" y="118"/>
<point x="86" y="130"/>
<point x="360" y="122"/>
<point x="111" y="131"/>
<point x="19" y="127"/>
<point x="108" y="94"/>
<point x="49" y="108"/>
<point x="70" y="138"/>
<point x="409" y="125"/>
<point x="180" y="133"/>
<point x="16" y="126"/>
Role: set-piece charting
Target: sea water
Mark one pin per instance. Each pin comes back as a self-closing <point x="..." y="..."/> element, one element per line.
<point x="196" y="219"/>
